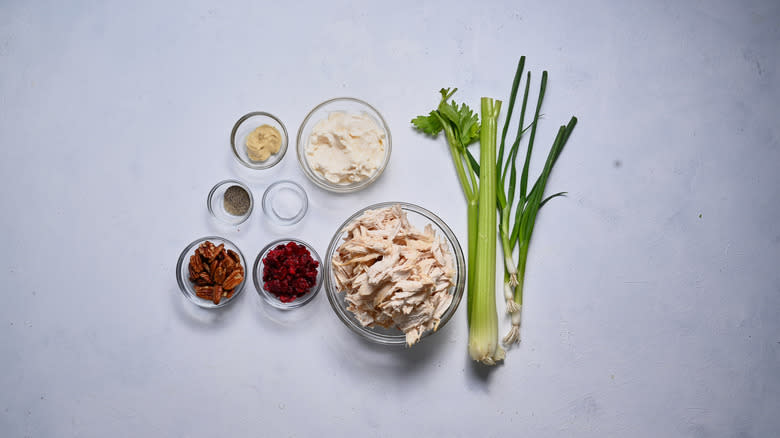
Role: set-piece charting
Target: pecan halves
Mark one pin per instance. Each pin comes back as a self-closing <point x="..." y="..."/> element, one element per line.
<point x="196" y="264"/>
<point x="213" y="267"/>
<point x="234" y="279"/>
<point x="216" y="271"/>
<point x="193" y="273"/>
<point x="220" y="273"/>
<point x="204" y="249"/>
<point x="218" y="293"/>
<point x="205" y="292"/>
<point x="229" y="264"/>
<point x="214" y="251"/>
<point x="204" y="279"/>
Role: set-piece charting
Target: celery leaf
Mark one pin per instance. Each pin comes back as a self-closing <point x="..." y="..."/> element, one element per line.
<point x="429" y="124"/>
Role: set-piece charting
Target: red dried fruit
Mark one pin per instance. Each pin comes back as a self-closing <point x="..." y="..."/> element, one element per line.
<point x="289" y="272"/>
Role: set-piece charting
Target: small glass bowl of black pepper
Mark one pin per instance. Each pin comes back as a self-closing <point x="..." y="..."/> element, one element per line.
<point x="291" y="301"/>
<point x="230" y="201"/>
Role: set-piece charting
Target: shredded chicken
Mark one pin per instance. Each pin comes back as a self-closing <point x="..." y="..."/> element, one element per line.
<point x="393" y="274"/>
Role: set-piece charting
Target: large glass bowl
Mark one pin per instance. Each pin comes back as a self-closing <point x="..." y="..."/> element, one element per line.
<point x="418" y="217"/>
<point x="348" y="105"/>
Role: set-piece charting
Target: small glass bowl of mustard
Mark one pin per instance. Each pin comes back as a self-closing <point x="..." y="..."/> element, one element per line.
<point x="254" y="139"/>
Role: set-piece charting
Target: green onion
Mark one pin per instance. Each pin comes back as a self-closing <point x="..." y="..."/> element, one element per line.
<point x="529" y="202"/>
<point x="505" y="201"/>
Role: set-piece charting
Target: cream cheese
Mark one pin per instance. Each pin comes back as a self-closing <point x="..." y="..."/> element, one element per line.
<point x="346" y="148"/>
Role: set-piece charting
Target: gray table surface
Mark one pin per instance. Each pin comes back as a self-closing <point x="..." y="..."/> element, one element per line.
<point x="653" y="289"/>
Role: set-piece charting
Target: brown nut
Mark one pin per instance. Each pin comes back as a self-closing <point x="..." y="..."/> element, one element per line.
<point x="204" y="279"/>
<point x="214" y="252"/>
<point x="234" y="279"/>
<point x="205" y="249"/>
<point x="217" y="294"/>
<point x="205" y="292"/>
<point x="229" y="264"/>
<point x="220" y="273"/>
<point x="193" y="273"/>
<point x="195" y="263"/>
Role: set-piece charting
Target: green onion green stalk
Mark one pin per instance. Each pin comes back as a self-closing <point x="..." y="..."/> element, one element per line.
<point x="529" y="201"/>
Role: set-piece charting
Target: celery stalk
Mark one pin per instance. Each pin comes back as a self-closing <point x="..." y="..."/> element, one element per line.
<point x="483" y="323"/>
<point x="461" y="127"/>
<point x="472" y="212"/>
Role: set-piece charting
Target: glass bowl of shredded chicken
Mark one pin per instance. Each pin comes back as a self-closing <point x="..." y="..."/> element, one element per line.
<point x="395" y="273"/>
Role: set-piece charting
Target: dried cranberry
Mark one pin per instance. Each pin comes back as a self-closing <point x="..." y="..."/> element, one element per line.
<point x="289" y="272"/>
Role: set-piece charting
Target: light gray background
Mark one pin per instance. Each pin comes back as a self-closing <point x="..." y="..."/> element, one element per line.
<point x="652" y="290"/>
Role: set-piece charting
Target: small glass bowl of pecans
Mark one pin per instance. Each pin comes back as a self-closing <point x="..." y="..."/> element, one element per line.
<point x="211" y="272"/>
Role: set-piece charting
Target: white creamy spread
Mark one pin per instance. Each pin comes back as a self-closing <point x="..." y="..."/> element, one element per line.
<point x="346" y="148"/>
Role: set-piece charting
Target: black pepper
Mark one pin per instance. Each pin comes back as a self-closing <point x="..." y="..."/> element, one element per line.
<point x="236" y="200"/>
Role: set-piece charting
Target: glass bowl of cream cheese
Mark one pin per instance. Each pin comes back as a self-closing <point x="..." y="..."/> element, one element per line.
<point x="343" y="145"/>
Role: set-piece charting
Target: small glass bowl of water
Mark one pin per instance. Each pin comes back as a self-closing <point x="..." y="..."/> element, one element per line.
<point x="285" y="202"/>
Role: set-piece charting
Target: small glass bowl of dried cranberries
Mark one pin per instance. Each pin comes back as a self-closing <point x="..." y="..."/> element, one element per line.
<point x="287" y="273"/>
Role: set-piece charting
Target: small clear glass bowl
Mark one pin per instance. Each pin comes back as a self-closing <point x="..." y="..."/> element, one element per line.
<point x="285" y="202"/>
<point x="216" y="202"/>
<point x="320" y="112"/>
<point x="273" y="300"/>
<point x="241" y="130"/>
<point x="418" y="217"/>
<point x="183" y="273"/>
